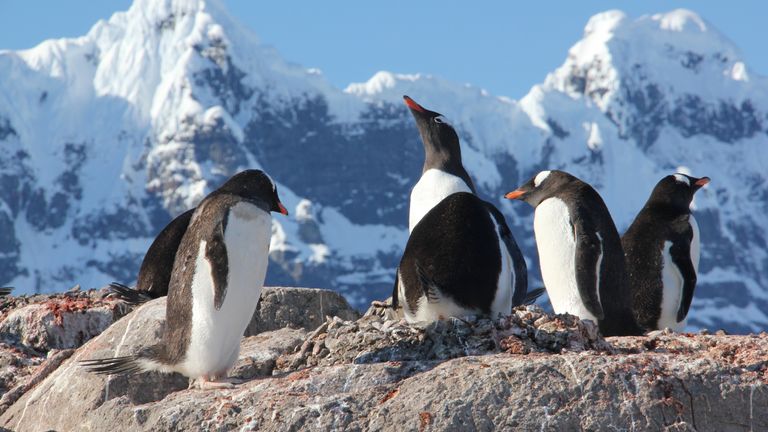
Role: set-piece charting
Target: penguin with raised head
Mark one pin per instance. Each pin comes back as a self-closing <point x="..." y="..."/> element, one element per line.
<point x="456" y="263"/>
<point x="582" y="263"/>
<point x="442" y="175"/>
<point x="662" y="252"/>
<point x="155" y="270"/>
<point x="215" y="285"/>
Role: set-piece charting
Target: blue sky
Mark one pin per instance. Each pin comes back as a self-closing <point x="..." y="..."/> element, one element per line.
<point x="504" y="47"/>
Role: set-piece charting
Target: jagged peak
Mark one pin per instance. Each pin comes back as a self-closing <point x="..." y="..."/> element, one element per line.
<point x="681" y="20"/>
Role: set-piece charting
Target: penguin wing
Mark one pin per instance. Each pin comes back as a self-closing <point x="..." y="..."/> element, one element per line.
<point x="520" y="282"/>
<point x="589" y="251"/>
<point x="395" y="289"/>
<point x="428" y="286"/>
<point x="680" y="253"/>
<point x="216" y="254"/>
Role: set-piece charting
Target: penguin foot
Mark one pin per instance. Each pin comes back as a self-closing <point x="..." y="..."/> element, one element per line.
<point x="211" y="383"/>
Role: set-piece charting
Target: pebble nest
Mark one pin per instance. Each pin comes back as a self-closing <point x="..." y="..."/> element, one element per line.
<point x="376" y="339"/>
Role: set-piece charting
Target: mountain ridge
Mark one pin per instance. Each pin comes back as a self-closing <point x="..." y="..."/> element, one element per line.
<point x="113" y="133"/>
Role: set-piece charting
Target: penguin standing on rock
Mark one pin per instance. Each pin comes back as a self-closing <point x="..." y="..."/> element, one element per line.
<point x="662" y="253"/>
<point x="443" y="174"/>
<point x="456" y="263"/>
<point x="580" y="253"/>
<point x="215" y="284"/>
<point x="155" y="270"/>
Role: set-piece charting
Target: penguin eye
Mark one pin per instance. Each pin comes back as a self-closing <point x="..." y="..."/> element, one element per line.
<point x="440" y="119"/>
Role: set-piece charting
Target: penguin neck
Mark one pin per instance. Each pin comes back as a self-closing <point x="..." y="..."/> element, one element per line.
<point x="667" y="207"/>
<point x="447" y="161"/>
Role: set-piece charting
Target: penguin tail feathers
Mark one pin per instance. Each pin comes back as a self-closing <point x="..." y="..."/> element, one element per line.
<point x="534" y="295"/>
<point x="127" y="294"/>
<point x="4" y="291"/>
<point x="124" y="365"/>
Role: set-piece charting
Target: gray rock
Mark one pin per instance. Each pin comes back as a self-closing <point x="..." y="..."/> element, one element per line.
<point x="57" y="325"/>
<point x="297" y="308"/>
<point x="524" y="372"/>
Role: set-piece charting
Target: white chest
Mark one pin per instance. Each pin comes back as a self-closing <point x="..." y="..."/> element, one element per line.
<point x="556" y="244"/>
<point x="216" y="333"/>
<point x="433" y="186"/>
<point x="672" y="281"/>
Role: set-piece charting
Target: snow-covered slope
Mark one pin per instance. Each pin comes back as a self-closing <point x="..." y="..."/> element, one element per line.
<point x="107" y="136"/>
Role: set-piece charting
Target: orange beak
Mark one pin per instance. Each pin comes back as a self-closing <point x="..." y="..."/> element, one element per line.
<point x="515" y="194"/>
<point x="283" y="210"/>
<point x="413" y="105"/>
<point x="702" y="181"/>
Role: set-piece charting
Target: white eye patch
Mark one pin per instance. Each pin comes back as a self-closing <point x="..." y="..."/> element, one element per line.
<point x="540" y="177"/>
<point x="441" y="119"/>
<point x="682" y="179"/>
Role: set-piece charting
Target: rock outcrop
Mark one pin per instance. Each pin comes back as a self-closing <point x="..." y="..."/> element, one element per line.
<point x="527" y="371"/>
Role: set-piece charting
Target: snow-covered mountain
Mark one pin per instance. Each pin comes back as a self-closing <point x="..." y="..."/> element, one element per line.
<point x="107" y="136"/>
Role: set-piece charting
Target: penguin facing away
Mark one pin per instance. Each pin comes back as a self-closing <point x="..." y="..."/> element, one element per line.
<point x="215" y="284"/>
<point x="456" y="263"/>
<point x="582" y="263"/>
<point x="155" y="270"/>
<point x="662" y="252"/>
<point x="443" y="173"/>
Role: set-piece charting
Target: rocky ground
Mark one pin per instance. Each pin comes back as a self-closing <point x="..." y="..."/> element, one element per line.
<point x="309" y="363"/>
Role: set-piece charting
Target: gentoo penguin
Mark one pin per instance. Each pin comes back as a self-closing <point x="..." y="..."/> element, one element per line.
<point x="662" y="251"/>
<point x="155" y="270"/>
<point x="580" y="253"/>
<point x="215" y="284"/>
<point x="443" y="173"/>
<point x="456" y="263"/>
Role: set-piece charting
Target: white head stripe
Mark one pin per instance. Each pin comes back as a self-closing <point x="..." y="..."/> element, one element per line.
<point x="682" y="179"/>
<point x="540" y="177"/>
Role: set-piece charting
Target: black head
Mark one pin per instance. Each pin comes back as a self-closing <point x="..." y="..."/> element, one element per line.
<point x="441" y="142"/>
<point x="676" y="191"/>
<point x="543" y="185"/>
<point x="254" y="186"/>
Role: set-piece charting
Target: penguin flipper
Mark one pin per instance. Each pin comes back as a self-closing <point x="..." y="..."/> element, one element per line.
<point x="127" y="294"/>
<point x="216" y="254"/>
<point x="428" y="286"/>
<point x="589" y="251"/>
<point x="395" y="289"/>
<point x="681" y="257"/>
<point x="532" y="296"/>
<point x="520" y="275"/>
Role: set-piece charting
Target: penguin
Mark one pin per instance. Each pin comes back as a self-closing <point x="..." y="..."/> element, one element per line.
<point x="155" y="270"/>
<point x="214" y="287"/>
<point x="4" y="291"/>
<point x="582" y="262"/>
<point x="456" y="263"/>
<point x="662" y="252"/>
<point x="443" y="173"/>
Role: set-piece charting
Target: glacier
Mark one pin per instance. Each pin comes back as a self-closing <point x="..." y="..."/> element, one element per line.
<point x="109" y="135"/>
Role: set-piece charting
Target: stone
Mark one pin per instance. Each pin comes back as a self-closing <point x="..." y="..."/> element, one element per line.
<point x="297" y="308"/>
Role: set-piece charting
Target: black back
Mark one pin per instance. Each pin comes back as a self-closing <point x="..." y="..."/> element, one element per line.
<point x="441" y="142"/>
<point x="591" y="221"/>
<point x="155" y="271"/>
<point x="454" y="249"/>
<point x="664" y="217"/>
